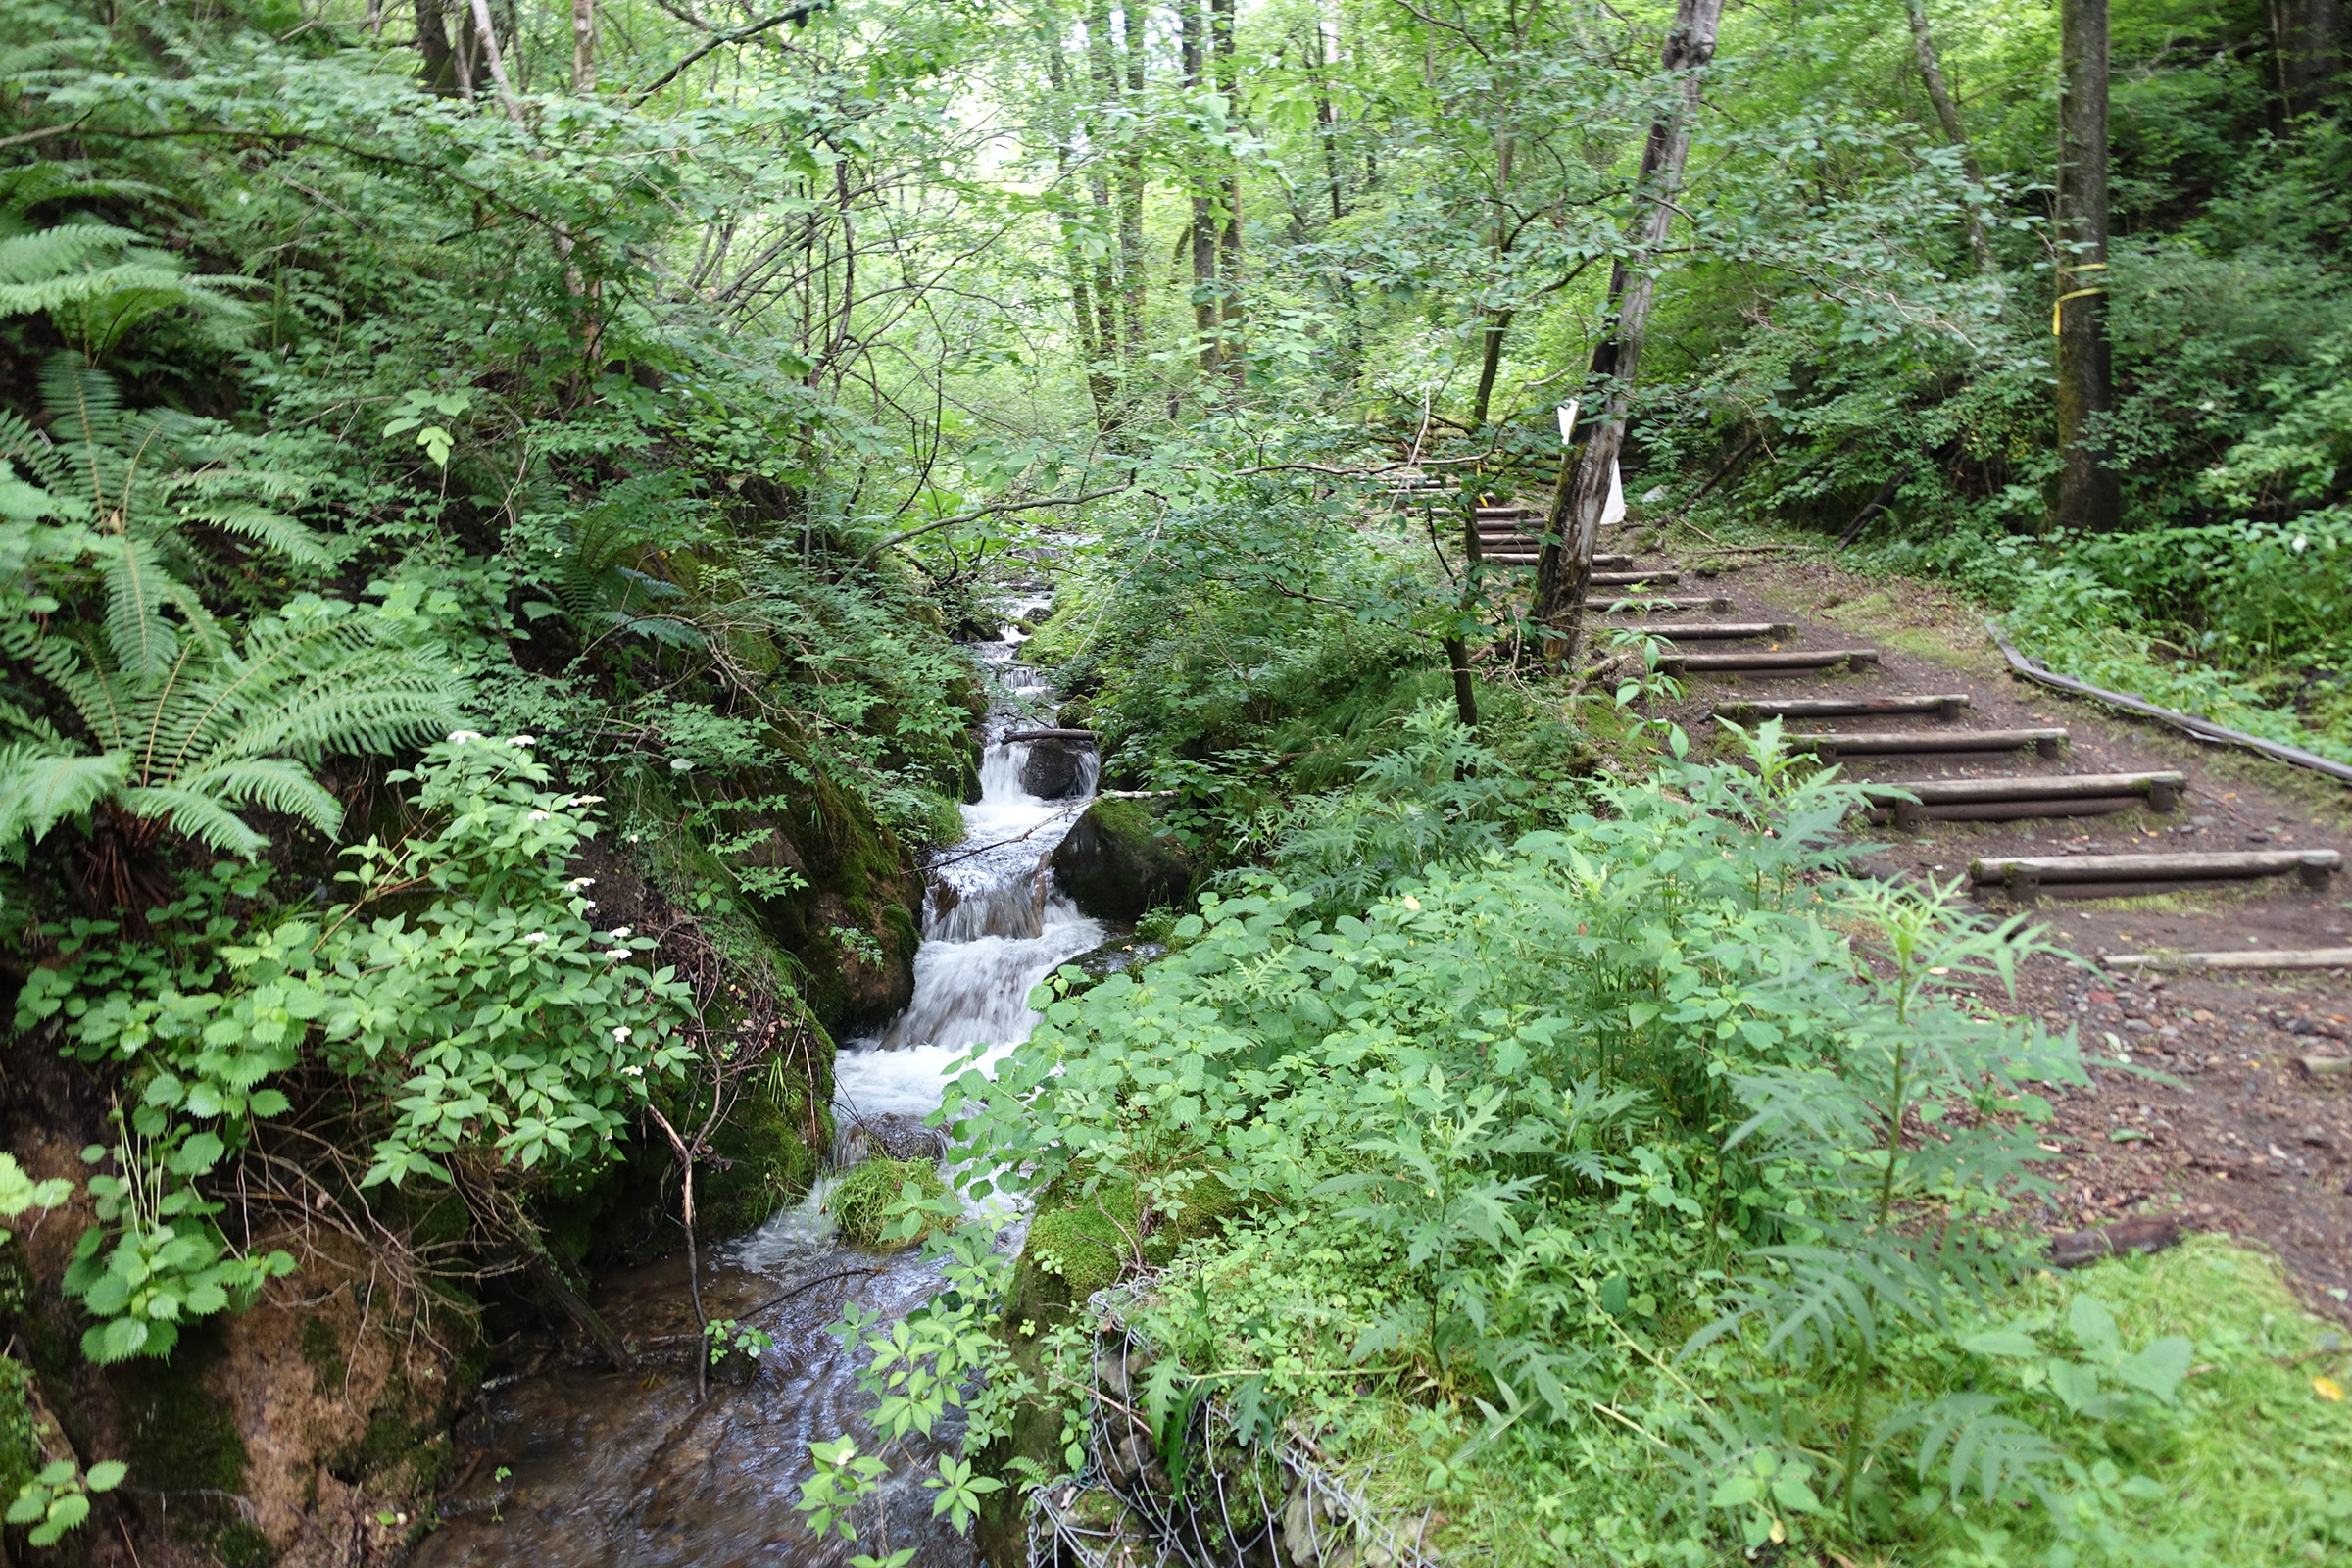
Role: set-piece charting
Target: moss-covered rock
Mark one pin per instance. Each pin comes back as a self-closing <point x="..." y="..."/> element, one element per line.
<point x="1119" y="860"/>
<point x="1079" y="1243"/>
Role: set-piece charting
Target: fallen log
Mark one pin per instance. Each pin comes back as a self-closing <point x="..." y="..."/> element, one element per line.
<point x="2025" y="874"/>
<point x="2251" y="958"/>
<point x="2151" y="1233"/>
<point x="2204" y="729"/>
<point x="1089" y="736"/>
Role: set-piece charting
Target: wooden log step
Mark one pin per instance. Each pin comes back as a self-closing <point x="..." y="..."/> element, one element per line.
<point x="1670" y="606"/>
<point x="1012" y="735"/>
<point x="2046" y="741"/>
<point x="1678" y="664"/>
<point x="1630" y="579"/>
<point x="2250" y="959"/>
<point x="1946" y="708"/>
<point x="1909" y="818"/>
<point x="2024" y="876"/>
<point x="2015" y="799"/>
<point x="2162" y="788"/>
<point x="1612" y="563"/>
<point x="1685" y="631"/>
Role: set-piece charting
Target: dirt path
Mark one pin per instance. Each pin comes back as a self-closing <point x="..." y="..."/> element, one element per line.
<point x="2212" y="1121"/>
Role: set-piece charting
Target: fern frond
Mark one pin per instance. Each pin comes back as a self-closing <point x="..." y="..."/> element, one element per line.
<point x="61" y="253"/>
<point x="42" y="784"/>
<point x="274" y="782"/>
<point x="86" y="400"/>
<point x="30" y="450"/>
<point x="1977" y="1443"/>
<point x="197" y="817"/>
<point x="138" y="589"/>
<point x="280" y="534"/>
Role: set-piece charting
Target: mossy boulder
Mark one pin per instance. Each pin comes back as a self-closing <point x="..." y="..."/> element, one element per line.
<point x="1081" y="1241"/>
<point x="1120" y="860"/>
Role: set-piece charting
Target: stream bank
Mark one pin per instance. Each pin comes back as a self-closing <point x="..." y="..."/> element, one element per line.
<point x="572" y="1464"/>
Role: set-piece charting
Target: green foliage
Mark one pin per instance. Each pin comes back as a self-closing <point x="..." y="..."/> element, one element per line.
<point x="867" y="1198"/>
<point x="58" y="1498"/>
<point x="491" y="1025"/>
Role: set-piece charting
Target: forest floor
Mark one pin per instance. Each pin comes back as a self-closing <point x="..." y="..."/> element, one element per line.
<point x="2199" y="1109"/>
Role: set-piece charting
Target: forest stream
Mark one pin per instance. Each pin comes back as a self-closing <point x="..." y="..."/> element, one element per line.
<point x="581" y="1465"/>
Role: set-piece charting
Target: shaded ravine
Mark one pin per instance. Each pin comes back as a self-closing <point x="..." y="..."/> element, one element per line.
<point x="569" y="1467"/>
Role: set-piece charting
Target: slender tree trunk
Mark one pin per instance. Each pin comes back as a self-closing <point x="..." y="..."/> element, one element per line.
<point x="1132" y="266"/>
<point x="1327" y="120"/>
<point x="1204" y="210"/>
<point x="1229" y="191"/>
<point x="1499" y="322"/>
<point x="488" y="30"/>
<point x="1564" y="571"/>
<point x="583" y="46"/>
<point x="1947" y="113"/>
<point x="1490" y="364"/>
<point x="2088" y="493"/>
<point x="1103" y="77"/>
<point x="1086" y="310"/>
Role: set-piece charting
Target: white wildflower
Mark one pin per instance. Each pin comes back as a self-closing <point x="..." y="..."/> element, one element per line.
<point x="537" y="817"/>
<point x="620" y="931"/>
<point x="616" y="955"/>
<point x="587" y="799"/>
<point x="633" y="1070"/>
<point x="580" y="882"/>
<point x="679" y="764"/>
<point x="620" y="1032"/>
<point x="459" y="737"/>
<point x="521" y="739"/>
<point x="2302" y="543"/>
<point x="536" y="936"/>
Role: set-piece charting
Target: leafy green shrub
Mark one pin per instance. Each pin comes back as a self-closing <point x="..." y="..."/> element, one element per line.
<point x="863" y="1199"/>
<point x="489" y="1023"/>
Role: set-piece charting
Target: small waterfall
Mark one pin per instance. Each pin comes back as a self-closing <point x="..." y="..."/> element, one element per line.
<point x="993" y="927"/>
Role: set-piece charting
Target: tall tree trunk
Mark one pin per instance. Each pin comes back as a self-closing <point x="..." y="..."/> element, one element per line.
<point x="1564" y="571"/>
<point x="1087" y="312"/>
<point x="1132" y="267"/>
<point x="1490" y="364"/>
<point x="438" y="72"/>
<point x="1499" y="322"/>
<point x="2089" y="494"/>
<point x="2310" y="50"/>
<point x="1327" y="120"/>
<point x="1204" y="208"/>
<point x="1103" y="77"/>
<point x="583" y="46"/>
<point x="1229" y="192"/>
<point x="1947" y="113"/>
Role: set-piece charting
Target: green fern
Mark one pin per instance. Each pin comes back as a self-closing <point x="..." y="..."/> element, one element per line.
<point x="221" y="728"/>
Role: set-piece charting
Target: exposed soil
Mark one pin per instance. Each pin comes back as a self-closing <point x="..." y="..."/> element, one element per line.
<point x="2200" y="1111"/>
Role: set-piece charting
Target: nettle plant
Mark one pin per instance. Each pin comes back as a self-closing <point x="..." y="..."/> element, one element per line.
<point x="480" y="1023"/>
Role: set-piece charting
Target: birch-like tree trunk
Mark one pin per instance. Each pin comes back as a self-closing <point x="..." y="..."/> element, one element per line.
<point x="1564" y="571"/>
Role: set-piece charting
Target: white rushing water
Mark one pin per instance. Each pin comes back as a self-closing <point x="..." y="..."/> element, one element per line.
<point x="994" y="926"/>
